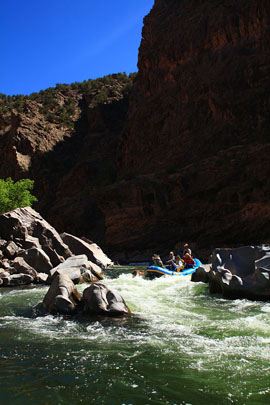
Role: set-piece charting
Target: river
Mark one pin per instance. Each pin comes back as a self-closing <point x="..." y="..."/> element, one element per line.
<point x="180" y="346"/>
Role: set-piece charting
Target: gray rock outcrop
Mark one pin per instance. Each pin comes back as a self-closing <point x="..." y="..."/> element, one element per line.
<point x="29" y="245"/>
<point x="241" y="273"/>
<point x="91" y="250"/>
<point x="79" y="269"/>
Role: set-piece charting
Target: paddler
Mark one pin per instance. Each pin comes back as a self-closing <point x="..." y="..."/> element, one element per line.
<point x="188" y="261"/>
<point x="157" y="261"/>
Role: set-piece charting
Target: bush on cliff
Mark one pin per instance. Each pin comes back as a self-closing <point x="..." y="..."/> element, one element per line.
<point x="15" y="195"/>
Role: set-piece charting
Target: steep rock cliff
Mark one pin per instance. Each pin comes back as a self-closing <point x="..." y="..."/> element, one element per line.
<point x="199" y="119"/>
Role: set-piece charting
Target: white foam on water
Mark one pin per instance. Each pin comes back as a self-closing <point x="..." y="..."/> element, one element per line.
<point x="170" y="314"/>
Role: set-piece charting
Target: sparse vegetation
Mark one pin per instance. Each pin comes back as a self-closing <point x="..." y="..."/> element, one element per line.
<point x="59" y="104"/>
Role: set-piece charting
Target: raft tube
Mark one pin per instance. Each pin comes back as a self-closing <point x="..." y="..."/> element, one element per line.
<point x="155" y="271"/>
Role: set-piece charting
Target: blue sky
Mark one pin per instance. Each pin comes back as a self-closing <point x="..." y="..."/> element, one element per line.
<point x="44" y="42"/>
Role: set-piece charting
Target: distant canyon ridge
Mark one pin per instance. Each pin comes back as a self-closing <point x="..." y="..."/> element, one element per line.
<point x="179" y="152"/>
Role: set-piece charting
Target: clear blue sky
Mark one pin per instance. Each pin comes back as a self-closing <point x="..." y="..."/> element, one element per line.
<point x="44" y="42"/>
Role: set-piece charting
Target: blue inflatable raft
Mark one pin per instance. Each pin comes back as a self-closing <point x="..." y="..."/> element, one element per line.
<point x="155" y="271"/>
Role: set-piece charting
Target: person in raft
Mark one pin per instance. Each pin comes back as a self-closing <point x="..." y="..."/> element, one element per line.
<point x="186" y="250"/>
<point x="179" y="263"/>
<point x="157" y="261"/>
<point x="171" y="262"/>
<point x="188" y="261"/>
<point x="171" y="258"/>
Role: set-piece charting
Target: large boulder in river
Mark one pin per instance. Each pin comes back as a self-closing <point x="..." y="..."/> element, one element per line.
<point x="79" y="269"/>
<point x="241" y="273"/>
<point x="98" y="299"/>
<point x="91" y="250"/>
<point x="62" y="296"/>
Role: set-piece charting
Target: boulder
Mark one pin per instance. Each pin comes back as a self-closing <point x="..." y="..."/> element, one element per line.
<point x="98" y="299"/>
<point x="22" y="267"/>
<point x="28" y="226"/>
<point x="29" y="242"/>
<point x="3" y="273"/>
<point x="11" y="250"/>
<point x="53" y="255"/>
<point x="201" y="274"/>
<point x="41" y="278"/>
<point x="5" y="263"/>
<point x="78" y="268"/>
<point x="3" y="244"/>
<point x="91" y="250"/>
<point x="15" y="280"/>
<point x="37" y="259"/>
<point x="62" y="296"/>
<point x="241" y="273"/>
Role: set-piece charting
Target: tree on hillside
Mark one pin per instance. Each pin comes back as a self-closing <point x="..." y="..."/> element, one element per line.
<point x="15" y="195"/>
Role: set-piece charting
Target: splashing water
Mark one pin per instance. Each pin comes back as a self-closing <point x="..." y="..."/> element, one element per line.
<point x="180" y="346"/>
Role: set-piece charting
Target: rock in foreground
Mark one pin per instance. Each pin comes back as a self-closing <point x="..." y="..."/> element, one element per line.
<point x="63" y="298"/>
<point x="100" y="300"/>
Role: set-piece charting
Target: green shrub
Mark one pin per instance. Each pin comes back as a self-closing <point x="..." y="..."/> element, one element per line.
<point x="15" y="195"/>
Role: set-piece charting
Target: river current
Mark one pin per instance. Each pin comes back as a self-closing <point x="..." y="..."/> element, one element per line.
<point x="179" y="346"/>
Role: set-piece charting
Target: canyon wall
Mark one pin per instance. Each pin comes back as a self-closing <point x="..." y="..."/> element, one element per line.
<point x="199" y="123"/>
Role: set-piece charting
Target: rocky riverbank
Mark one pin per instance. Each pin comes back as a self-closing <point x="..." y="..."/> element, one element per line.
<point x="33" y="252"/>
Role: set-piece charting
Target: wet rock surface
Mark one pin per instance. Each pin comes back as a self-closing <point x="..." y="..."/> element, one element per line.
<point x="63" y="298"/>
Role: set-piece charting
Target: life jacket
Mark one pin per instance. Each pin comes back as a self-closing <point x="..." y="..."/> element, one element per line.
<point x="189" y="260"/>
<point x="179" y="262"/>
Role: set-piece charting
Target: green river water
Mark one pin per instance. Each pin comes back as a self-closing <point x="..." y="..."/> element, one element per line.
<point x="180" y="346"/>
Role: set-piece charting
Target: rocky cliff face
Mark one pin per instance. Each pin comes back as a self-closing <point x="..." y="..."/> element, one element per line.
<point x="185" y="159"/>
<point x="199" y="122"/>
<point x="65" y="139"/>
